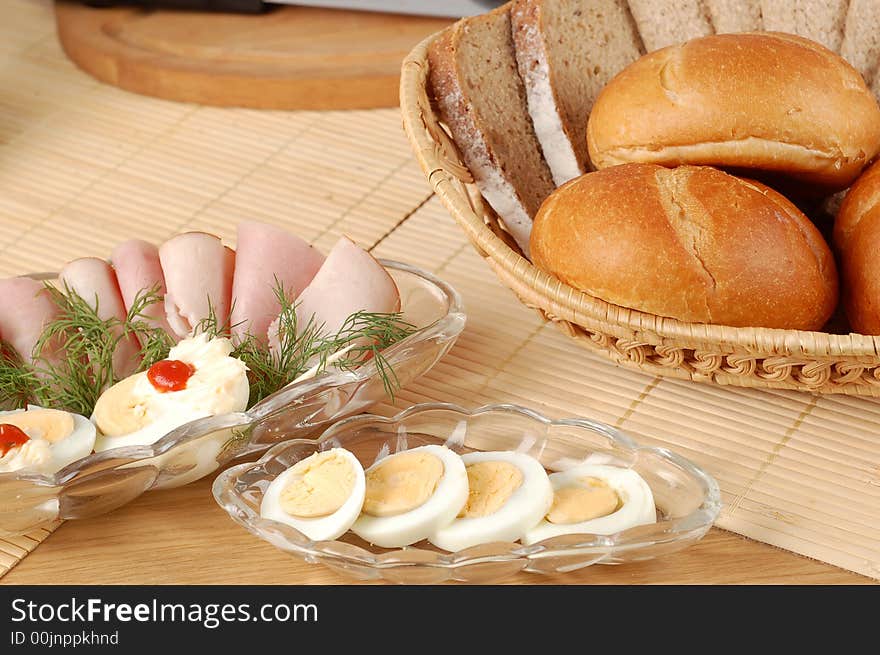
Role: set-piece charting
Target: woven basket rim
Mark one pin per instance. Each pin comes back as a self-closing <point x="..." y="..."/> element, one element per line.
<point x="565" y="301"/>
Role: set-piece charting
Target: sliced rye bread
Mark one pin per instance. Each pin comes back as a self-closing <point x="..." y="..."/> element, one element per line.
<point x="734" y="15"/>
<point x="567" y="51"/>
<point x="861" y="39"/>
<point x="481" y="98"/>
<point x="819" y="20"/>
<point x="667" y="22"/>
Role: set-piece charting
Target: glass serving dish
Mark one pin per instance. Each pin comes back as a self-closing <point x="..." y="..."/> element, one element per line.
<point x="105" y="481"/>
<point x="687" y="499"/>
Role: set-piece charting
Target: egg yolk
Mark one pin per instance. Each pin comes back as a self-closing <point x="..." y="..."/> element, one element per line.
<point x="491" y="484"/>
<point x="119" y="410"/>
<point x="577" y="504"/>
<point x="50" y="425"/>
<point x="11" y="437"/>
<point x="402" y="483"/>
<point x="320" y="485"/>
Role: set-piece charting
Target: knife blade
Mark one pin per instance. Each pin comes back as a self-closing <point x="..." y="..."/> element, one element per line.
<point x="449" y="8"/>
<point x="421" y="7"/>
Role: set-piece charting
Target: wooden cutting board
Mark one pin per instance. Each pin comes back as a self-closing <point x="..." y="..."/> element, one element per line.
<point x="287" y="58"/>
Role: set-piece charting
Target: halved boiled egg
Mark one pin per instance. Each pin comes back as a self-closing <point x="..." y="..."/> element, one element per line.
<point x="509" y="493"/>
<point x="595" y="499"/>
<point x="321" y="495"/>
<point x="43" y="440"/>
<point x="198" y="379"/>
<point x="410" y="495"/>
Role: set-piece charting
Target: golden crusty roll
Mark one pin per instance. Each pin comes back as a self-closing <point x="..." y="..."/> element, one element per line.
<point x="857" y="238"/>
<point x="768" y="102"/>
<point x="692" y="243"/>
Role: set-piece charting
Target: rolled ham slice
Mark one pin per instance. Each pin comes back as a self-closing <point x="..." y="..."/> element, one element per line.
<point x="198" y="272"/>
<point x="25" y="310"/>
<point x="267" y="255"/>
<point x="350" y="280"/>
<point x="138" y="269"/>
<point x="94" y="280"/>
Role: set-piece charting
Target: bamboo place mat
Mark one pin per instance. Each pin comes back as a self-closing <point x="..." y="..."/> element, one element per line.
<point x="15" y="549"/>
<point x="83" y="166"/>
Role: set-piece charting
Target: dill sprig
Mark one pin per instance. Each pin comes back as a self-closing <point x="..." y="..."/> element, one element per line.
<point x="73" y="357"/>
<point x="17" y="379"/>
<point x="270" y="369"/>
<point x="362" y="336"/>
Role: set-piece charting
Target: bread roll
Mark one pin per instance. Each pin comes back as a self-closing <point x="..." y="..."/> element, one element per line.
<point x="857" y="238"/>
<point x="691" y="243"/>
<point x="775" y="103"/>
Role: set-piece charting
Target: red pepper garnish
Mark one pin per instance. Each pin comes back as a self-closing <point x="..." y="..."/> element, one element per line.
<point x="170" y="375"/>
<point x="11" y="436"/>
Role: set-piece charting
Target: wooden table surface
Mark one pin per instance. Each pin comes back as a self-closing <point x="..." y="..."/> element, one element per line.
<point x="181" y="536"/>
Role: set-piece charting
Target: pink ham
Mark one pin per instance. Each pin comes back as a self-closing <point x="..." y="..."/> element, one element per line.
<point x="350" y="280"/>
<point x="266" y="253"/>
<point x="137" y="270"/>
<point x="25" y="310"/>
<point x="198" y="271"/>
<point x="94" y="280"/>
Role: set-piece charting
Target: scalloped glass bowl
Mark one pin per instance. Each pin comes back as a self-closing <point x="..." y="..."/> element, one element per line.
<point x="105" y="481"/>
<point x="688" y="499"/>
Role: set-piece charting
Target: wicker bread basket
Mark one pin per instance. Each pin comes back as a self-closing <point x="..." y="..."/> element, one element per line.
<point x="817" y="362"/>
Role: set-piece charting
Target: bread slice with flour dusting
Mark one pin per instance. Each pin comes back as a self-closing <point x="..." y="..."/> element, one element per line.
<point x="670" y="22"/>
<point x="481" y="98"/>
<point x="819" y="20"/>
<point x="861" y="39"/>
<point x="735" y="15"/>
<point x="566" y="51"/>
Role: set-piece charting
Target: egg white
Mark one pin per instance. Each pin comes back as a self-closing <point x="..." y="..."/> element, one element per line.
<point x="322" y="528"/>
<point x="637" y="503"/>
<point x="439" y="510"/>
<point x="76" y="445"/>
<point x="524" y="509"/>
